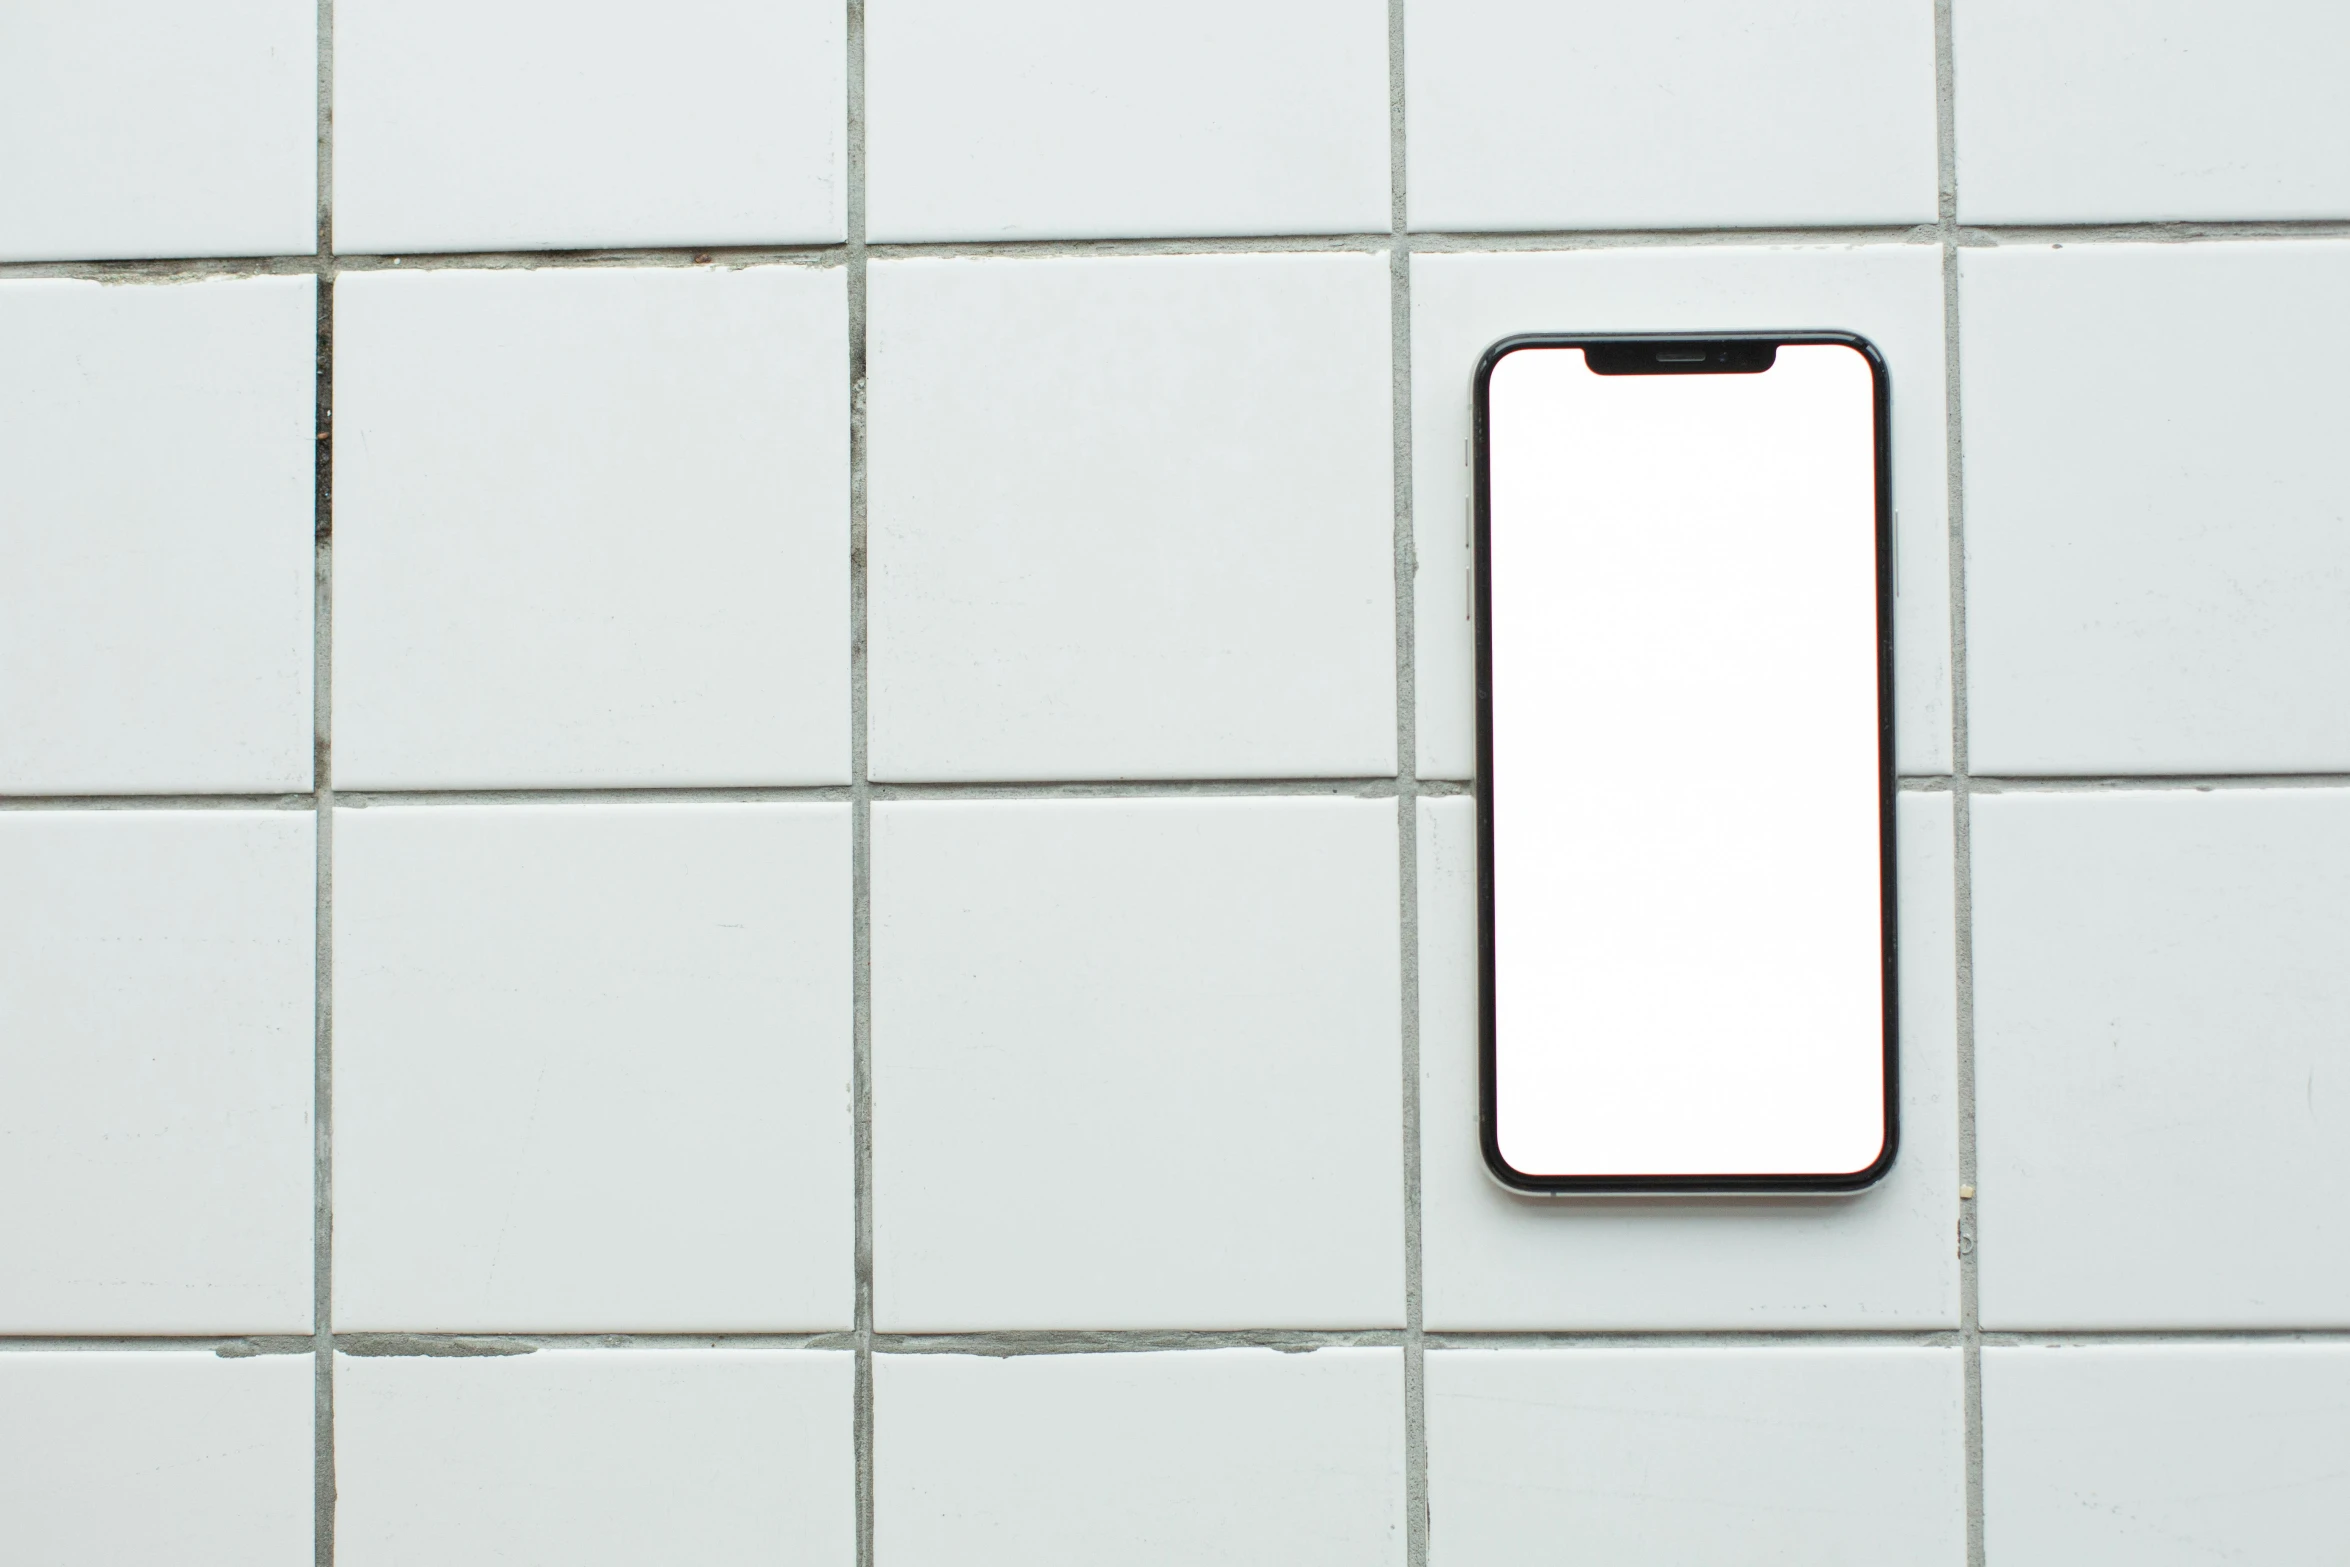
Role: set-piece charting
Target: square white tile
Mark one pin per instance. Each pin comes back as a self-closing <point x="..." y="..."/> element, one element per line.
<point x="1039" y="119"/>
<point x="2162" y="1032"/>
<point x="591" y="528"/>
<point x="1493" y="1259"/>
<point x="1132" y="518"/>
<point x="530" y="125"/>
<point x="2160" y="109"/>
<point x="592" y="1068"/>
<point x="1848" y="1455"/>
<point x="1579" y="114"/>
<point x="1225" y="1455"/>
<point x="2156" y="561"/>
<point x="157" y="512"/>
<point x="156" y="1070"/>
<point x="2168" y="1455"/>
<point x="148" y="128"/>
<point x="1136" y="1064"/>
<point x="156" y="1456"/>
<point x="596" y="1458"/>
<point x="1463" y="304"/>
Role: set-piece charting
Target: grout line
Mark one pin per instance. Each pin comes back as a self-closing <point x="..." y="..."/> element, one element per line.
<point x="1132" y="1341"/>
<point x="1970" y="1335"/>
<point x="1134" y="789"/>
<point x="2105" y="784"/>
<point x="1944" y="232"/>
<point x="322" y="1239"/>
<point x="1407" y="816"/>
<point x="305" y="801"/>
<point x="1047" y="789"/>
<point x="860" y="790"/>
<point x="1381" y="787"/>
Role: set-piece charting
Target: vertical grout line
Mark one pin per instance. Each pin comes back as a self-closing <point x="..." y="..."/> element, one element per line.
<point x="322" y="1218"/>
<point x="1407" y="814"/>
<point x="860" y="795"/>
<point x="1961" y="789"/>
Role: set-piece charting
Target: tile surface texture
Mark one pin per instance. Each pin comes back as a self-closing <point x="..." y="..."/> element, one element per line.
<point x="591" y="528"/>
<point x="2162" y="1029"/>
<point x="155" y="1072"/>
<point x="596" y="1458"/>
<point x="465" y="125"/>
<point x="1579" y="114"/>
<point x="1495" y="1260"/>
<point x="2166" y="1455"/>
<point x="708" y="709"/>
<point x="1039" y="119"/>
<point x="156" y="501"/>
<point x="1718" y="1457"/>
<point x="2157" y="565"/>
<point x="1132" y="517"/>
<point x="1463" y="304"/>
<point x="1230" y="1455"/>
<point x="146" y="1456"/>
<point x="592" y="1068"/>
<point x="1135" y="1064"/>
<point x="2158" y="110"/>
<point x="150" y="128"/>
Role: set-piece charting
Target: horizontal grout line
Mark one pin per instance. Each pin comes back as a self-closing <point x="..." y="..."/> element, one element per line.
<point x="1369" y="788"/>
<point x="1377" y="787"/>
<point x="1991" y="783"/>
<point x="1158" y="245"/>
<point x="2166" y="231"/>
<point x="158" y="802"/>
<point x="1437" y="242"/>
<point x="1424" y="242"/>
<point x="1053" y="1341"/>
<point x="232" y="1346"/>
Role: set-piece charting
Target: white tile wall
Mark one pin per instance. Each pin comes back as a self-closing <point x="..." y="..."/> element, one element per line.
<point x="2157" y="566"/>
<point x="155" y="1072"/>
<point x="156" y="484"/>
<point x="592" y="1068"/>
<point x="1463" y="304"/>
<point x="858" y="785"/>
<point x="2165" y="1455"/>
<point x="1132" y="518"/>
<point x="1581" y="114"/>
<point x="1233" y="1455"/>
<point x="2162" y="1034"/>
<point x="1136" y="1064"/>
<point x="596" y="1458"/>
<point x="1705" y="1457"/>
<point x="149" y="128"/>
<point x="468" y="125"/>
<point x="2161" y="109"/>
<point x="1495" y="1260"/>
<point x="591" y="527"/>
<point x="1031" y="119"/>
<point x="146" y="1456"/>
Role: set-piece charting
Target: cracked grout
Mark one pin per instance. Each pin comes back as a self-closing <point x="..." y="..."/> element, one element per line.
<point x="1941" y="233"/>
<point x="323" y="1479"/>
<point x="1127" y="1341"/>
<point x="860" y="787"/>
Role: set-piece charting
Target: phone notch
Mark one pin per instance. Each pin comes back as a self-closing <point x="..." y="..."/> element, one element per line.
<point x="1682" y="356"/>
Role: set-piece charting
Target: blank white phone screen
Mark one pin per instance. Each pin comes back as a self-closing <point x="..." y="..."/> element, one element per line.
<point x="1688" y="945"/>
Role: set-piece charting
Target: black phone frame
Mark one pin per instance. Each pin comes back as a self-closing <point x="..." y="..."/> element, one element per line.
<point x="1481" y="611"/>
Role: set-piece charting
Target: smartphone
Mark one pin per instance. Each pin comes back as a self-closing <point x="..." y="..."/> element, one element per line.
<point x="1684" y="588"/>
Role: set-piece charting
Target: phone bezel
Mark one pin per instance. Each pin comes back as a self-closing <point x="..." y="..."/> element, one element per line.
<point x="1481" y="550"/>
